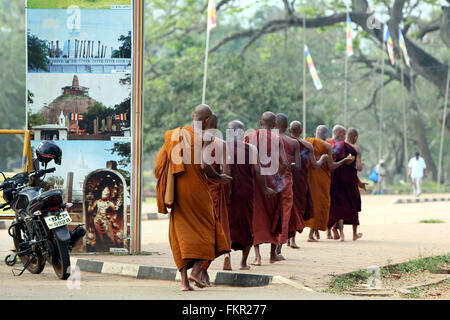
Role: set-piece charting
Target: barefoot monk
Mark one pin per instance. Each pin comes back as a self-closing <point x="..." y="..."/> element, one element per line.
<point x="195" y="232"/>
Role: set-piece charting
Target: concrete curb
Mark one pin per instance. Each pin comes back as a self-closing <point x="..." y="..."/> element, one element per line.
<point x="418" y="200"/>
<point x="172" y="274"/>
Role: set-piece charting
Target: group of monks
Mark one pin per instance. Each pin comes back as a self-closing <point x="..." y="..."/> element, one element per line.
<point x="227" y="194"/>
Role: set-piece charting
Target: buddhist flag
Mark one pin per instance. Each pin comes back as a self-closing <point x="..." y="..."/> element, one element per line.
<point x="403" y="47"/>
<point x="349" y="37"/>
<point x="211" y="14"/>
<point x="312" y="69"/>
<point x="121" y="117"/>
<point x="389" y="44"/>
<point x="76" y="116"/>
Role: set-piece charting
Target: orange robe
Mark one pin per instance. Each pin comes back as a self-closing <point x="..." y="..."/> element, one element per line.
<point x="195" y="231"/>
<point x="319" y="182"/>
<point x="220" y="194"/>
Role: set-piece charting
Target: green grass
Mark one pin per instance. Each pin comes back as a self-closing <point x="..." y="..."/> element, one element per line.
<point x="345" y="282"/>
<point x="431" y="221"/>
<point x="83" y="4"/>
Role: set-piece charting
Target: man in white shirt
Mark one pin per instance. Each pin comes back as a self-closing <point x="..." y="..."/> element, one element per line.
<point x="417" y="169"/>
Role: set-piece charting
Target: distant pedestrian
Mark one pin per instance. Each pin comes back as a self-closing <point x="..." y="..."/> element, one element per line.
<point x="381" y="172"/>
<point x="417" y="169"/>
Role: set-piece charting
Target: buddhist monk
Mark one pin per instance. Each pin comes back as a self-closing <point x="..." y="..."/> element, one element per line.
<point x="267" y="213"/>
<point x="244" y="168"/>
<point x="351" y="139"/>
<point x="319" y="181"/>
<point x="195" y="232"/>
<point x="303" y="208"/>
<point x="292" y="149"/>
<point x="219" y="191"/>
<point x="337" y="145"/>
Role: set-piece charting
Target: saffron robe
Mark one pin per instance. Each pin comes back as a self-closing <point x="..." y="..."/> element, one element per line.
<point x="319" y="182"/>
<point x="195" y="231"/>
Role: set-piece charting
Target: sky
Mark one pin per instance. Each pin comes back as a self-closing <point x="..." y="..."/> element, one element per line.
<point x="90" y="24"/>
<point x="104" y="88"/>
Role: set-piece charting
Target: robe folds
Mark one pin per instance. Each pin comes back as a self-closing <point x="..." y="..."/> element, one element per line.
<point x="303" y="208"/>
<point x="286" y="194"/>
<point x="319" y="182"/>
<point x="242" y="197"/>
<point x="345" y="195"/>
<point x="195" y="232"/>
<point x="267" y="213"/>
<point x="220" y="194"/>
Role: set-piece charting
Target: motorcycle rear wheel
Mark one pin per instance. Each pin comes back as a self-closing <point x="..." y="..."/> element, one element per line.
<point x="61" y="259"/>
<point x="37" y="263"/>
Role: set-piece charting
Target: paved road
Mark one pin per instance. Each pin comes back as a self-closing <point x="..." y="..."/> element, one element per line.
<point x="106" y="287"/>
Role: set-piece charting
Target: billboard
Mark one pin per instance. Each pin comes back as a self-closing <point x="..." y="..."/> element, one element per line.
<point x="84" y="91"/>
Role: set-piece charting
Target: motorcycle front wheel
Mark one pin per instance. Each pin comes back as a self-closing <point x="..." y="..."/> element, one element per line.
<point x="37" y="263"/>
<point x="61" y="259"/>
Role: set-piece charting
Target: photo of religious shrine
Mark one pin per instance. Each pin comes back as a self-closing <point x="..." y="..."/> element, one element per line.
<point x="75" y="115"/>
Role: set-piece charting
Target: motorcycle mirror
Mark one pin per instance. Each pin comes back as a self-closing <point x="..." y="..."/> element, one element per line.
<point x="69" y="205"/>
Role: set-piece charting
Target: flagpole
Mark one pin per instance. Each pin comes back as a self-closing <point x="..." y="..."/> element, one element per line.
<point x="304" y="70"/>
<point x="380" y="135"/>
<point x="205" y="72"/>
<point x="443" y="131"/>
<point x="346" y="88"/>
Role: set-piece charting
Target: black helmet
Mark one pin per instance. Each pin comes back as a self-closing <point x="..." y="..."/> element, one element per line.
<point x="48" y="151"/>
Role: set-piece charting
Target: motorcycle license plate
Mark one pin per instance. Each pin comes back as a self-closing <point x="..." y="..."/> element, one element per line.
<point x="58" y="221"/>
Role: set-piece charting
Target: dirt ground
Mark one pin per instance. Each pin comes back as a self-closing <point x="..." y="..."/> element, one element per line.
<point x="391" y="234"/>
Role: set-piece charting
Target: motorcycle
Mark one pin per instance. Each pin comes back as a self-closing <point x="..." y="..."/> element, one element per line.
<point x="40" y="230"/>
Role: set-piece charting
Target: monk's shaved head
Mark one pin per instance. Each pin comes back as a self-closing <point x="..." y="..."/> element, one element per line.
<point x="352" y="133"/>
<point x="322" y="132"/>
<point x="213" y="123"/>
<point x="281" y="122"/>
<point x="296" y="128"/>
<point x="202" y="112"/>
<point x="268" y="120"/>
<point x="339" y="132"/>
<point x="236" y="125"/>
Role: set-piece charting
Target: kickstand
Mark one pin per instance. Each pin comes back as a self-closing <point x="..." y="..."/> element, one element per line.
<point x="23" y="270"/>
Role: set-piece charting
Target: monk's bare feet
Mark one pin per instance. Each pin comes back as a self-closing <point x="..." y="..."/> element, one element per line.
<point x="294" y="246"/>
<point x="205" y="278"/>
<point x="257" y="262"/>
<point x="187" y="288"/>
<point x="227" y="263"/>
<point x="197" y="282"/>
<point x="329" y="236"/>
<point x="336" y="235"/>
<point x="342" y="239"/>
<point x="276" y="258"/>
<point x="310" y="239"/>
<point x="317" y="235"/>
<point x="357" y="236"/>
<point x="244" y="268"/>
